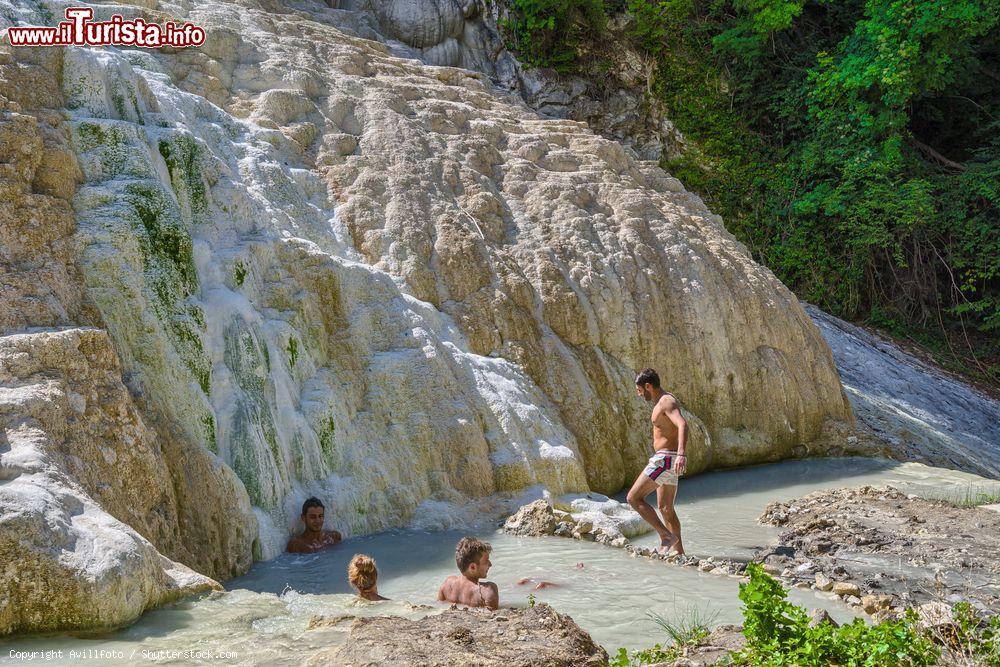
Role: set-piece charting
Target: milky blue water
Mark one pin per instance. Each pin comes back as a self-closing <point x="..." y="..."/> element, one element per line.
<point x="263" y="617"/>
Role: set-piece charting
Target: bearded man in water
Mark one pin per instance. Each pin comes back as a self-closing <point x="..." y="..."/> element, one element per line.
<point x="665" y="466"/>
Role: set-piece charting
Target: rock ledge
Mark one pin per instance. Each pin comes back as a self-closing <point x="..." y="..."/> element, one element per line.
<point x="476" y="637"/>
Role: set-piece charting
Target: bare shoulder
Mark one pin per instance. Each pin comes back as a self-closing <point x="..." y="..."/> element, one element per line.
<point x="294" y="545"/>
<point x="665" y="405"/>
<point x="446" y="588"/>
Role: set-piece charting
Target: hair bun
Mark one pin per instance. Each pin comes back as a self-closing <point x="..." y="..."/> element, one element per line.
<point x="362" y="572"/>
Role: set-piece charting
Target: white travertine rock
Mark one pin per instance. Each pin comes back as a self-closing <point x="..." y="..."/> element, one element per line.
<point x="96" y="507"/>
<point x="335" y="272"/>
<point x="605" y="515"/>
<point x="86" y="491"/>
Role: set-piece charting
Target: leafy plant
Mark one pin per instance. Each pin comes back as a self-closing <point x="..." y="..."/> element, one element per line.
<point x="649" y="656"/>
<point x="549" y="33"/>
<point x="778" y="633"/>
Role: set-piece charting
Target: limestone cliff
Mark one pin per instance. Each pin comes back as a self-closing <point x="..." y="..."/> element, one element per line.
<point x="90" y="495"/>
<point x="326" y="270"/>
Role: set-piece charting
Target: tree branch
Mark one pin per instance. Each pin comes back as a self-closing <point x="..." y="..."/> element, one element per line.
<point x="937" y="157"/>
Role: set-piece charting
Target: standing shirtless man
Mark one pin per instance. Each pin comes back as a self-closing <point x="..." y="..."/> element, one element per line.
<point x="665" y="466"/>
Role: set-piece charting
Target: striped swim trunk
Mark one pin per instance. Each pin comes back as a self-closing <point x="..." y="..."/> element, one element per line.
<point x="660" y="468"/>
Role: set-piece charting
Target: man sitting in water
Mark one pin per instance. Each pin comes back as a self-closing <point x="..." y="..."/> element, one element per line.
<point x="473" y="559"/>
<point x="313" y="538"/>
<point x="666" y="465"/>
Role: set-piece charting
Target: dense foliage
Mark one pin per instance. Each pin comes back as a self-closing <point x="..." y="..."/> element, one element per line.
<point x="854" y="146"/>
<point x="778" y="633"/>
<point x="549" y="33"/>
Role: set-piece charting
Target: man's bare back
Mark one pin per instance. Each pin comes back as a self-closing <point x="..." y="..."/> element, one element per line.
<point x="458" y="589"/>
<point x="472" y="557"/>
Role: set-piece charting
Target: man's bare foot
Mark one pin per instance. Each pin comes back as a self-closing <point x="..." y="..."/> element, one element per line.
<point x="544" y="584"/>
<point x="666" y="544"/>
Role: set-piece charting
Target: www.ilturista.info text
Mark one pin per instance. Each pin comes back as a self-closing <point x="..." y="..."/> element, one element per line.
<point x="80" y="30"/>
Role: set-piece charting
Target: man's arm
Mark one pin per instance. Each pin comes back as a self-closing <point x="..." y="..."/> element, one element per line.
<point x="441" y="597"/>
<point x="491" y="595"/>
<point x="337" y="537"/>
<point x="673" y="412"/>
<point x="295" y="546"/>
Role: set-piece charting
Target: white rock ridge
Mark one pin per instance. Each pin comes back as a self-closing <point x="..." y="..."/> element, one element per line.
<point x="335" y="272"/>
<point x="97" y="506"/>
<point x="923" y="413"/>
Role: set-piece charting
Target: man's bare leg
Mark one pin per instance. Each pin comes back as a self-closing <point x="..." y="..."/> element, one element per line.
<point x="642" y="487"/>
<point x="665" y="502"/>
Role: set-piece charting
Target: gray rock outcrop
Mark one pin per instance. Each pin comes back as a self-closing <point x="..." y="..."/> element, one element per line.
<point x="922" y="412"/>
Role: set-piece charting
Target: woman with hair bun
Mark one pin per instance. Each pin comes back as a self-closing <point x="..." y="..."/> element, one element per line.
<point x="363" y="575"/>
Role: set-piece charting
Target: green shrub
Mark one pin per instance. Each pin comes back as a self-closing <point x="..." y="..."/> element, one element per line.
<point x="778" y="633"/>
<point x="654" y="21"/>
<point x="827" y="136"/>
<point x="550" y="33"/>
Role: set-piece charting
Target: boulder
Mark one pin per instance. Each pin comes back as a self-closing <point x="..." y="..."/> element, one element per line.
<point x="564" y="529"/>
<point x="845" y="588"/>
<point x="507" y="638"/>
<point x="875" y="603"/>
<point x="534" y="520"/>
<point x="820" y="616"/>
<point x="87" y="546"/>
<point x="823" y="582"/>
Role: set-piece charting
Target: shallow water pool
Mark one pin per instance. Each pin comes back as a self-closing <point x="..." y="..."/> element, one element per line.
<point x="263" y="617"/>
